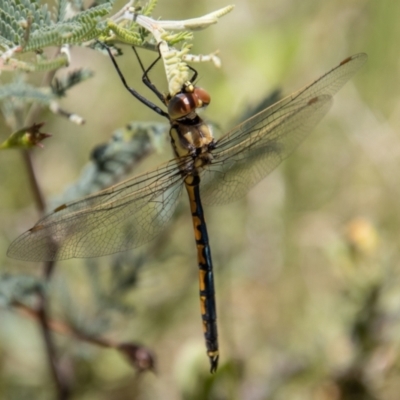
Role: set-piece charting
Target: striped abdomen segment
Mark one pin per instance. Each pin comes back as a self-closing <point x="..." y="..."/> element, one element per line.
<point x="206" y="276"/>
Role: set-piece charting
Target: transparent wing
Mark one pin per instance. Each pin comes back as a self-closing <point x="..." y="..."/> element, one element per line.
<point x="116" y="219"/>
<point x="254" y="148"/>
<point x="235" y="170"/>
<point x="328" y="84"/>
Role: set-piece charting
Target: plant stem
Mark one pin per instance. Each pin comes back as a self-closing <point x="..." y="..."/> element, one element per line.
<point x="61" y="383"/>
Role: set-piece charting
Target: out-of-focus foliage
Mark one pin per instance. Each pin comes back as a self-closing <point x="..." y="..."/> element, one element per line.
<point x="307" y="265"/>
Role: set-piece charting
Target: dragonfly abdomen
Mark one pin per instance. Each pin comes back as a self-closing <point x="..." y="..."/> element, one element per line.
<point x="206" y="274"/>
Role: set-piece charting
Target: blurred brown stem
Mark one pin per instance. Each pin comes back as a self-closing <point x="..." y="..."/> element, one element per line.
<point x="48" y="267"/>
<point x="60" y="327"/>
<point x="136" y="354"/>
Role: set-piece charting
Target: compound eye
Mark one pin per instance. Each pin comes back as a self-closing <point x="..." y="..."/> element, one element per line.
<point x="202" y="96"/>
<point x="181" y="105"/>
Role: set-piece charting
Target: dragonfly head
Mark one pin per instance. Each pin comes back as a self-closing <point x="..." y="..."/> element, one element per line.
<point x="186" y="101"/>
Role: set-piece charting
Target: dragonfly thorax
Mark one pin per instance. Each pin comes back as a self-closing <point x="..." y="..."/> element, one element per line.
<point x="191" y="137"/>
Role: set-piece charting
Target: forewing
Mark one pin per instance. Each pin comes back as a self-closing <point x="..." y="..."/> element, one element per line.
<point x="254" y="148"/>
<point x="265" y="144"/>
<point x="328" y="84"/>
<point x="116" y="219"/>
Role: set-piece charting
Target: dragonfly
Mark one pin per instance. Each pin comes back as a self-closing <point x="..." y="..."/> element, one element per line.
<point x="212" y="171"/>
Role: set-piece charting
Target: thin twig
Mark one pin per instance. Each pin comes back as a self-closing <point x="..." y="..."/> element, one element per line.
<point x="138" y="355"/>
<point x="62" y="385"/>
<point x="48" y="267"/>
<point x="30" y="170"/>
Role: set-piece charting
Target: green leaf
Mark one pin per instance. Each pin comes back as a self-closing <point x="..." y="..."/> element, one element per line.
<point x="29" y="19"/>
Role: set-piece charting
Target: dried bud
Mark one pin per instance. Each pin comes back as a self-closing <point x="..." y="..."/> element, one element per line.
<point x="138" y="356"/>
<point x="26" y="138"/>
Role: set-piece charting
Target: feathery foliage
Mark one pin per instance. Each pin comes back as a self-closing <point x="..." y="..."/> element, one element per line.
<point x="30" y="26"/>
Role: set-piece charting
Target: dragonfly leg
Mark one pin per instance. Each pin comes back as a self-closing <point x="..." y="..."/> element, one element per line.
<point x="195" y="73"/>
<point x="145" y="78"/>
<point x="133" y="92"/>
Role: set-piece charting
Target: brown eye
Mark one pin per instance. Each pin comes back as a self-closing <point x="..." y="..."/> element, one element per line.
<point x="181" y="105"/>
<point x="203" y="98"/>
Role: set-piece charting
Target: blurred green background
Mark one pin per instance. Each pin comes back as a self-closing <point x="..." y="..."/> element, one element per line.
<point x="307" y="265"/>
